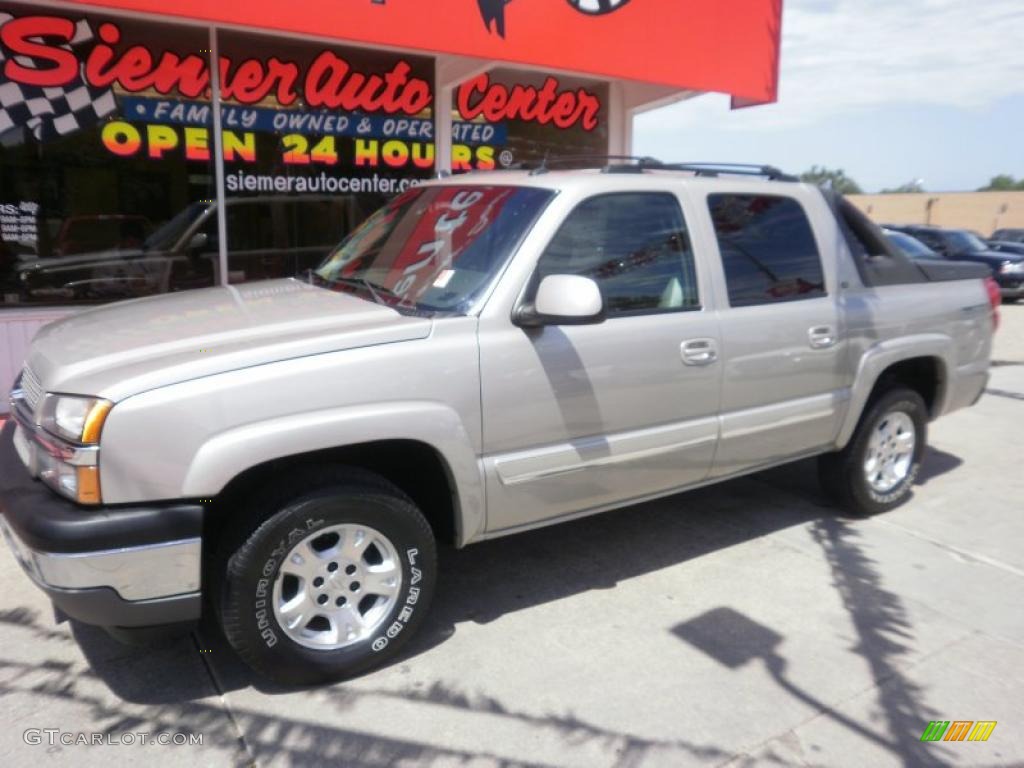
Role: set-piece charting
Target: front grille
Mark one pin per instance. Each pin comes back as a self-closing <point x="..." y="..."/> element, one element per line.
<point x="31" y="388"/>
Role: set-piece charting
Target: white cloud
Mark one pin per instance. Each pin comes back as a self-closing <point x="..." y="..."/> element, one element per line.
<point x="843" y="56"/>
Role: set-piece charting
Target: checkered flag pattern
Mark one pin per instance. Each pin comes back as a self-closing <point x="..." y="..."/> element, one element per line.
<point x="53" y="112"/>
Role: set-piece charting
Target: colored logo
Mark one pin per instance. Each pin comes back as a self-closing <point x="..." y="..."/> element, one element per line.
<point x="597" y="7"/>
<point x="493" y="11"/>
<point x="958" y="730"/>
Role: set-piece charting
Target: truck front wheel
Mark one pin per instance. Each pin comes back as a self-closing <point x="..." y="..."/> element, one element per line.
<point x="330" y="584"/>
<point x="876" y="470"/>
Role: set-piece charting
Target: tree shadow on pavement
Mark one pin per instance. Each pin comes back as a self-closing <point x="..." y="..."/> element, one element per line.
<point x="278" y="738"/>
<point x="884" y="634"/>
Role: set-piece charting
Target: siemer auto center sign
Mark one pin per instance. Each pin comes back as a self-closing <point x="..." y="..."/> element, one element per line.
<point x="154" y="101"/>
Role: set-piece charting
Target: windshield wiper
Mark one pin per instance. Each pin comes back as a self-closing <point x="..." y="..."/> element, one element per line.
<point x="377" y="291"/>
<point x="381" y="295"/>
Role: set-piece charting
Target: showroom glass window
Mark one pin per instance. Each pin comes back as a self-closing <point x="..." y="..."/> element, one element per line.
<point x="106" y="177"/>
<point x="768" y="249"/>
<point x="316" y="146"/>
<point x="634" y="245"/>
<point x="506" y="117"/>
<point x="96" y="198"/>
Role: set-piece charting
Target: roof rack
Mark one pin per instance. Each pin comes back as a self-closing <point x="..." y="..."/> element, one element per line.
<point x="594" y="161"/>
<point x="739" y="169"/>
<point x="639" y="164"/>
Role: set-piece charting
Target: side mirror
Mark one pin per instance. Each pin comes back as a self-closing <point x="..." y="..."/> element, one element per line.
<point x="563" y="300"/>
<point x="198" y="242"/>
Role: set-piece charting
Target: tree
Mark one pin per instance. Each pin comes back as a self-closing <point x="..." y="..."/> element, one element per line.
<point x="840" y="181"/>
<point x="1004" y="182"/>
<point x="903" y="189"/>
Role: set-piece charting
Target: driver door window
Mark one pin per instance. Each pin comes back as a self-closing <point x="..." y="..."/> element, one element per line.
<point x="634" y="245"/>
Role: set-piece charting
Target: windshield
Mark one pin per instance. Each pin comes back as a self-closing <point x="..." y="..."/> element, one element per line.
<point x="434" y="249"/>
<point x="911" y="246"/>
<point x="966" y="241"/>
<point x="164" y="238"/>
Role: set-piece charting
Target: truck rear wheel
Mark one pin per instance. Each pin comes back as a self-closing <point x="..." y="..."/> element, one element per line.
<point x="876" y="470"/>
<point x="330" y="583"/>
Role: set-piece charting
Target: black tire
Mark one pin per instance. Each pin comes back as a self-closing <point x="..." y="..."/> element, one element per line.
<point x="842" y="473"/>
<point x="251" y="554"/>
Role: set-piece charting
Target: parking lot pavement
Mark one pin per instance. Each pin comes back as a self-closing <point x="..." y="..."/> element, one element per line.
<point x="744" y="624"/>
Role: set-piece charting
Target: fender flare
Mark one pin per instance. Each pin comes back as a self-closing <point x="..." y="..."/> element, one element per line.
<point x="881" y="356"/>
<point x="227" y="454"/>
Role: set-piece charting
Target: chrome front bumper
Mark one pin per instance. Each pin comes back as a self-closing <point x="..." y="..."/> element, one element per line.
<point x="134" y="573"/>
<point x="111" y="566"/>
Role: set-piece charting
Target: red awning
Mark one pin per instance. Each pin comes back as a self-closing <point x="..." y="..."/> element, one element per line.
<point x="728" y="46"/>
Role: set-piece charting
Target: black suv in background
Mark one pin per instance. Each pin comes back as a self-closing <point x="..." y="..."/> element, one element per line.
<point x="1006" y="246"/>
<point x="964" y="245"/>
<point x="1008" y="235"/>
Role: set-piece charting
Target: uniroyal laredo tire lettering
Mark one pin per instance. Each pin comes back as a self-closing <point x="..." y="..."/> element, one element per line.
<point x="901" y="489"/>
<point x="267" y="575"/>
<point x="396" y="627"/>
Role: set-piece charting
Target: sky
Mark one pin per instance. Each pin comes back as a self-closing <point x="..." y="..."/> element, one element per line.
<point x="890" y="91"/>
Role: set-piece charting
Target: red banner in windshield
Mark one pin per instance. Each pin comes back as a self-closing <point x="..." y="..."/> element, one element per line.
<point x="454" y="219"/>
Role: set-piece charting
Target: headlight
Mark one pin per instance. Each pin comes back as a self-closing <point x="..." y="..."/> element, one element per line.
<point x="69" y="464"/>
<point x="78" y="419"/>
<point x="1011" y="267"/>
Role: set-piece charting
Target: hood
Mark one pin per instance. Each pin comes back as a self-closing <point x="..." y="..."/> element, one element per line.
<point x="132" y="346"/>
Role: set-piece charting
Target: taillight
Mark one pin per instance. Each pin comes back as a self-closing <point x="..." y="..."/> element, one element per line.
<point x="995" y="299"/>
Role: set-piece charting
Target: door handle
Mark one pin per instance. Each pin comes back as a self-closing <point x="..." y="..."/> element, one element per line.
<point x="699" y="351"/>
<point x="822" y="336"/>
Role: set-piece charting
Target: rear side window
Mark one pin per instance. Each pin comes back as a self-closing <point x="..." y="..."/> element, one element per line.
<point x="634" y="245"/>
<point x="768" y="249"/>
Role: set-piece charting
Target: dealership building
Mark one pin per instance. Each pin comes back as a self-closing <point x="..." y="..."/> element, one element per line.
<point x="145" y="150"/>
